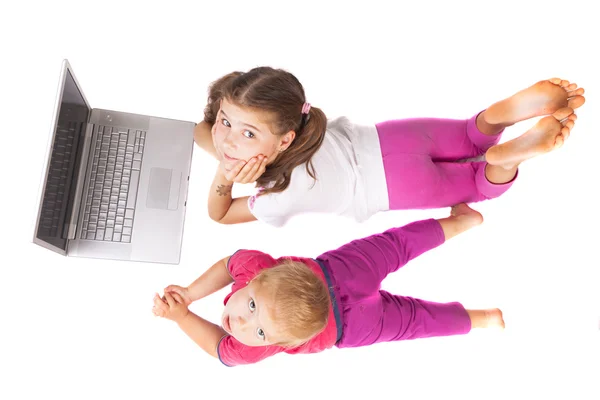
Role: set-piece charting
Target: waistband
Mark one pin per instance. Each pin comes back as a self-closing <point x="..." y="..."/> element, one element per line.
<point x="334" y="302"/>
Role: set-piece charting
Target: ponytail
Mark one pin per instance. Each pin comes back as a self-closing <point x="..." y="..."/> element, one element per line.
<point x="306" y="143"/>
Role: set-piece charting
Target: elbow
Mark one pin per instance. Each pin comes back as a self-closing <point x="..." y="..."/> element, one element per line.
<point x="218" y="218"/>
<point x="215" y="217"/>
<point x="198" y="134"/>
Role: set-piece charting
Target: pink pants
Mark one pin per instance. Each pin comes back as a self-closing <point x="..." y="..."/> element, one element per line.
<point x="370" y="315"/>
<point x="419" y="158"/>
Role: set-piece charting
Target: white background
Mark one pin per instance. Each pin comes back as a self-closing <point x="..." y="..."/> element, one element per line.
<point x="83" y="329"/>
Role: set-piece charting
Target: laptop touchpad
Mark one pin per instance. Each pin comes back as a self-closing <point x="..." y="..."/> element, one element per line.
<point x="163" y="189"/>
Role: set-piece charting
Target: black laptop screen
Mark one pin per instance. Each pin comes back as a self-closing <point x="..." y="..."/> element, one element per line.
<point x="65" y="157"/>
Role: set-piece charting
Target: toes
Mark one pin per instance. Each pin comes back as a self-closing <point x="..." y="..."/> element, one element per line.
<point x="559" y="142"/>
<point x="574" y="93"/>
<point x="576" y="102"/>
<point x="570" y="119"/>
<point x="563" y="113"/>
<point x="561" y="82"/>
<point x="571" y="87"/>
<point x="565" y="132"/>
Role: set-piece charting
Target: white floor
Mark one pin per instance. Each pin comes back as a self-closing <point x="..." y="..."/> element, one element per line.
<point x="78" y="328"/>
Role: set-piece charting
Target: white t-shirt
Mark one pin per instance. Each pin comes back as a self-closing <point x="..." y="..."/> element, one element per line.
<point x="350" y="179"/>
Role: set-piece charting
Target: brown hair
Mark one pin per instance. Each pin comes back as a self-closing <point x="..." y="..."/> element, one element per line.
<point x="279" y="93"/>
<point x="299" y="301"/>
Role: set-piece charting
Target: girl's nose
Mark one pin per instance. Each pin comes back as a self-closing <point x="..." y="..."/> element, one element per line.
<point x="228" y="142"/>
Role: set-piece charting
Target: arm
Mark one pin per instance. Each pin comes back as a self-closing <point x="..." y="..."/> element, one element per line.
<point x="215" y="278"/>
<point x="203" y="138"/>
<point x="205" y="334"/>
<point x="222" y="207"/>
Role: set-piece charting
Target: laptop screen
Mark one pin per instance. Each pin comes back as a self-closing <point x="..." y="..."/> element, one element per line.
<point x="65" y="158"/>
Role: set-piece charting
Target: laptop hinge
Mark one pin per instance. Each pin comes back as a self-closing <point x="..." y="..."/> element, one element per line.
<point x="79" y="186"/>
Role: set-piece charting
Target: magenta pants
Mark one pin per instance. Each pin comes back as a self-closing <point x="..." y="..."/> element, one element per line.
<point x="369" y="315"/>
<point x="419" y="158"/>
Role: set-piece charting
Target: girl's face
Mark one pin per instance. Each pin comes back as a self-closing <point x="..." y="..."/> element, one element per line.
<point x="241" y="133"/>
<point x="247" y="317"/>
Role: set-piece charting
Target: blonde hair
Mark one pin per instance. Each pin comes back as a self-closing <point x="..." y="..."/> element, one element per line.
<point x="300" y="301"/>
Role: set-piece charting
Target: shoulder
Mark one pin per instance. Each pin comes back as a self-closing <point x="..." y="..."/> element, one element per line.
<point x="232" y="353"/>
<point x="246" y="263"/>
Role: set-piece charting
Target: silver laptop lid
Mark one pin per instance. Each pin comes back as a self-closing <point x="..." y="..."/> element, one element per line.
<point x="63" y="159"/>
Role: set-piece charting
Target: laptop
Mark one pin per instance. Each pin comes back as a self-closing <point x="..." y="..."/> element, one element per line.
<point x="116" y="183"/>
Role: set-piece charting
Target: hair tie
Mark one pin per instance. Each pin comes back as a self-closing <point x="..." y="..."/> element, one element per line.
<point x="305" y="108"/>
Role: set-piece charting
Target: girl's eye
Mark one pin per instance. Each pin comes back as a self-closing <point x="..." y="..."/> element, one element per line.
<point x="260" y="333"/>
<point x="248" y="134"/>
<point x="226" y="123"/>
<point x="252" y="305"/>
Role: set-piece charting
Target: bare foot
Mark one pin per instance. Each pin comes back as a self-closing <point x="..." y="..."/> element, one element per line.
<point x="548" y="134"/>
<point x="469" y="217"/>
<point x="542" y="98"/>
<point x="494" y="318"/>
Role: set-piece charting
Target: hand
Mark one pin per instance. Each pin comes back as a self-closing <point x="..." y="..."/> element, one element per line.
<point x="183" y="292"/>
<point x="172" y="307"/>
<point x="246" y="172"/>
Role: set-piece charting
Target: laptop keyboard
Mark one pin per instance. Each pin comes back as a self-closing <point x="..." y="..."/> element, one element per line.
<point x="110" y="204"/>
<point x="55" y="200"/>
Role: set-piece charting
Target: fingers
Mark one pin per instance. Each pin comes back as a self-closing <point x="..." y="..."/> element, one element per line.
<point x="248" y="172"/>
<point x="178" y="298"/>
<point x="261" y="167"/>
<point x="170" y="299"/>
<point x="174" y="288"/>
<point x="160" y="308"/>
<point x="158" y="302"/>
<point x="233" y="173"/>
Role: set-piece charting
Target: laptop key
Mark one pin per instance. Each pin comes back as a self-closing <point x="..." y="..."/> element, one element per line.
<point x="133" y="183"/>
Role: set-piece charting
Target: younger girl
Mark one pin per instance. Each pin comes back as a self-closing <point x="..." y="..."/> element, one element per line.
<point x="260" y="127"/>
<point x="304" y="305"/>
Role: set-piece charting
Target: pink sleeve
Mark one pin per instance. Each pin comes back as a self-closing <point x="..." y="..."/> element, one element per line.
<point x="231" y="352"/>
<point x="243" y="265"/>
